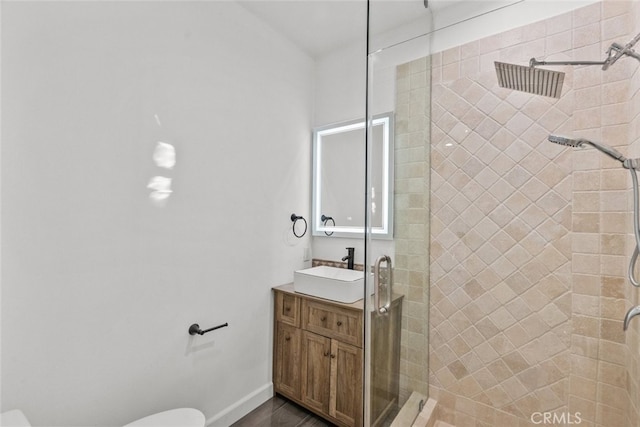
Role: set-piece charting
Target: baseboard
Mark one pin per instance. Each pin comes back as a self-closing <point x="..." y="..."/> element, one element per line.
<point x="242" y="407"/>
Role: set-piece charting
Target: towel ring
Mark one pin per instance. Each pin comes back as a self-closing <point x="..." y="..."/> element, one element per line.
<point x="325" y="219"/>
<point x="294" y="219"/>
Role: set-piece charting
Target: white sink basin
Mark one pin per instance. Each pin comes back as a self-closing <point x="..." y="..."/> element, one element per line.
<point x="336" y="284"/>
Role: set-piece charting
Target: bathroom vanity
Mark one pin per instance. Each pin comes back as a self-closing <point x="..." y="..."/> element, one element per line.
<point x="318" y="356"/>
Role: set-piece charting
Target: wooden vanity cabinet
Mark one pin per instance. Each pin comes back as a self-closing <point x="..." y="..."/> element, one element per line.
<point x="318" y="356"/>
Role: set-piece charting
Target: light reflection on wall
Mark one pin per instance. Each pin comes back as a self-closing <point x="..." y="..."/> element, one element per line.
<point x="161" y="187"/>
<point x="164" y="156"/>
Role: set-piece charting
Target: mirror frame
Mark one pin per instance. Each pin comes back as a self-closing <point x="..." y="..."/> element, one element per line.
<point x="386" y="230"/>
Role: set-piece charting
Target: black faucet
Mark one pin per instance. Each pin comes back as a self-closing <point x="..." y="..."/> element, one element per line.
<point x="349" y="258"/>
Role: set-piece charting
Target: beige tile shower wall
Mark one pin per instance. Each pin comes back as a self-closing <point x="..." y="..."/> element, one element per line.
<point x="529" y="240"/>
<point x="411" y="273"/>
<point x="500" y="247"/>
<point x="601" y="224"/>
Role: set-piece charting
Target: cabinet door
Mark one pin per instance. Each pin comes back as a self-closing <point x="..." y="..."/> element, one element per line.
<point x="316" y="369"/>
<point x="287" y="360"/>
<point x="346" y="383"/>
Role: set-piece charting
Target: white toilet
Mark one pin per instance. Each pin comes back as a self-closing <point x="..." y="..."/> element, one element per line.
<point x="182" y="417"/>
<point x="14" y="418"/>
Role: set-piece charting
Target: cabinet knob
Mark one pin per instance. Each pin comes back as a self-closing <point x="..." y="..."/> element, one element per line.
<point x="323" y="319"/>
<point x="287" y="338"/>
<point x="339" y="323"/>
<point x="287" y="309"/>
<point x="326" y="353"/>
<point x="333" y="356"/>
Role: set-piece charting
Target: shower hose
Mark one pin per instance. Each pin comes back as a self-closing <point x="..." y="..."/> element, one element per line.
<point x="636" y="226"/>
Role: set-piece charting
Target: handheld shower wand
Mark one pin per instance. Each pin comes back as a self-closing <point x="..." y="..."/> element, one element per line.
<point x="577" y="143"/>
<point x="632" y="165"/>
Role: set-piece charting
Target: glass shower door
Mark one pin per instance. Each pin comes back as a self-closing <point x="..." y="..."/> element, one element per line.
<point x="399" y="76"/>
<point x="396" y="360"/>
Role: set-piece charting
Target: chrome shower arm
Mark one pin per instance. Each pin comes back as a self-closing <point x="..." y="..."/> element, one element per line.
<point x="534" y="62"/>
<point x="615" y="52"/>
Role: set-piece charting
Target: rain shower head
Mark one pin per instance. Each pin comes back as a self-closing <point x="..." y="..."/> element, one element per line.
<point x="563" y="140"/>
<point x="529" y="79"/>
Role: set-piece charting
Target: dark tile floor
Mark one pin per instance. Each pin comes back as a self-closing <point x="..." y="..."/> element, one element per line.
<point x="279" y="412"/>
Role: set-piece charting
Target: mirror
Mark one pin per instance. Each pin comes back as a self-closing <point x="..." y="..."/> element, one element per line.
<point x="338" y="178"/>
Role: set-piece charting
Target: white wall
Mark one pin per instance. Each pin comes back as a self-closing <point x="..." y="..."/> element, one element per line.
<point x="99" y="285"/>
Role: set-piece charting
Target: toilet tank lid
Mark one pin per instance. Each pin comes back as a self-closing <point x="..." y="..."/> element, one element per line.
<point x="14" y="418"/>
<point x="182" y="417"/>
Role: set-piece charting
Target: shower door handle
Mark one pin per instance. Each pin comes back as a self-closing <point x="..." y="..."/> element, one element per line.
<point x="384" y="308"/>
